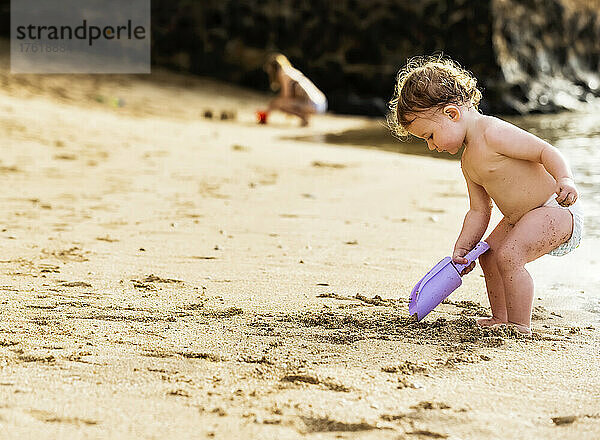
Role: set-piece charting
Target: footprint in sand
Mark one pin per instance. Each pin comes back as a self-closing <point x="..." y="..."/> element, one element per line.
<point x="65" y="157"/>
<point x="315" y="380"/>
<point x="147" y="282"/>
<point x="36" y="357"/>
<point x="49" y="417"/>
<point x="325" y="424"/>
<point x="75" y="284"/>
<point x="320" y="164"/>
<point x="73" y="254"/>
<point x="107" y="239"/>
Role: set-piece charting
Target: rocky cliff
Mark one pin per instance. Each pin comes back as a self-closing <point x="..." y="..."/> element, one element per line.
<point x="529" y="55"/>
<point x="548" y="53"/>
<point x="351" y="49"/>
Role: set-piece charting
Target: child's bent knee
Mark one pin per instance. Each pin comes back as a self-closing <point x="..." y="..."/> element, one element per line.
<point x="507" y="259"/>
<point x="487" y="261"/>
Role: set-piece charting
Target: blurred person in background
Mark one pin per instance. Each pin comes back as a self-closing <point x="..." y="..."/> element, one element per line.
<point x="297" y="94"/>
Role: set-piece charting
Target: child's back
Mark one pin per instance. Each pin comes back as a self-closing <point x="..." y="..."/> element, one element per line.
<point x="517" y="185"/>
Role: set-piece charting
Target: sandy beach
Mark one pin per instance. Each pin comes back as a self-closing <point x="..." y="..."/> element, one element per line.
<point x="165" y="275"/>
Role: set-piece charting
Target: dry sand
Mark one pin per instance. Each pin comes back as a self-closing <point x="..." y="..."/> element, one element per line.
<point x="169" y="276"/>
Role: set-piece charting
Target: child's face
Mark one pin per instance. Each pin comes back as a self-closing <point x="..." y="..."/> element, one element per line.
<point x="442" y="129"/>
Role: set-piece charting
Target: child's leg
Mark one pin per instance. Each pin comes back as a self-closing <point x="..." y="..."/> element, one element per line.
<point x="493" y="280"/>
<point x="535" y="234"/>
<point x="293" y="106"/>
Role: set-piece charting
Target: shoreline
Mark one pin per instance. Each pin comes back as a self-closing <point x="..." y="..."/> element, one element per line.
<point x="171" y="276"/>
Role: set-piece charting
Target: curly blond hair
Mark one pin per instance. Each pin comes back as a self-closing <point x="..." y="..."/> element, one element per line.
<point x="274" y="63"/>
<point x="427" y="82"/>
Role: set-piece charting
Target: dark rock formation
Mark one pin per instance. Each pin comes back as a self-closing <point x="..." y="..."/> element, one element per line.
<point x="529" y="55"/>
<point x="548" y="52"/>
<point x="351" y="49"/>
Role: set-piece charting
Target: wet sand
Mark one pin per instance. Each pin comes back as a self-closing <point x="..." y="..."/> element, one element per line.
<point x="165" y="275"/>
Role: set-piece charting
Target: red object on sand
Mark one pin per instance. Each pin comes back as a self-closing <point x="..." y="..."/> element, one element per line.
<point x="261" y="116"/>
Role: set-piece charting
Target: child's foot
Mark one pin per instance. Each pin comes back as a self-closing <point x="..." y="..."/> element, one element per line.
<point x="489" y="322"/>
<point x="523" y="329"/>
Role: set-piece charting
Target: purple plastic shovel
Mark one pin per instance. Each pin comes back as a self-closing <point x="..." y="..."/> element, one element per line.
<point x="440" y="282"/>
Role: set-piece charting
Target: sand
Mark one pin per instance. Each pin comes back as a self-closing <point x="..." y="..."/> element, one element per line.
<point x="164" y="275"/>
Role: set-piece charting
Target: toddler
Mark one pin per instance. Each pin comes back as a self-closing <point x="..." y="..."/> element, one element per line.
<point x="297" y="94"/>
<point x="528" y="179"/>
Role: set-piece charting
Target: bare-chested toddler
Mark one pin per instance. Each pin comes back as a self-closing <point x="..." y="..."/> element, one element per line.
<point x="527" y="178"/>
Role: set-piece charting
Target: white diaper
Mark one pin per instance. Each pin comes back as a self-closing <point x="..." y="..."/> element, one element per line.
<point x="577" y="211"/>
<point x="321" y="106"/>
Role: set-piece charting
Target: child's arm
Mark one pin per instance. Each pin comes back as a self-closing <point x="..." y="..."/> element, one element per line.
<point x="286" y="85"/>
<point x="476" y="220"/>
<point x="513" y="142"/>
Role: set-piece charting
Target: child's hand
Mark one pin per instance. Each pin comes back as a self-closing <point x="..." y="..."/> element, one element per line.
<point x="459" y="257"/>
<point x="567" y="192"/>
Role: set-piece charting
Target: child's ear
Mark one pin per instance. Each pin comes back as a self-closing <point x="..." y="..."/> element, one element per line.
<point x="452" y="111"/>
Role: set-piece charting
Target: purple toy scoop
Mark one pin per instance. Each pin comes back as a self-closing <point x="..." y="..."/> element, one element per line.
<point x="440" y="282"/>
